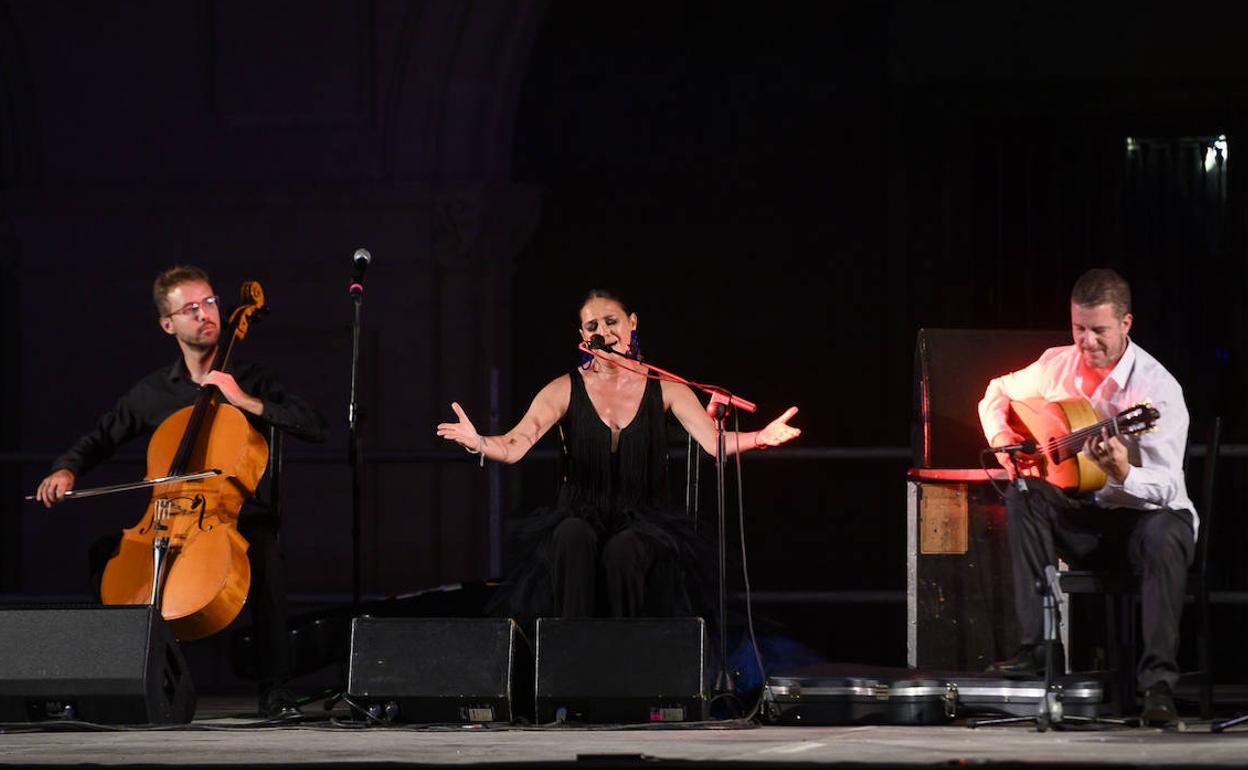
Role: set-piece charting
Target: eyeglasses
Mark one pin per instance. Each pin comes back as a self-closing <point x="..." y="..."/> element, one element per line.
<point x="190" y="309"/>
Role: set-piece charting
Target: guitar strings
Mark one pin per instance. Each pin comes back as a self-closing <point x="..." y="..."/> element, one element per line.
<point x="1079" y="437"/>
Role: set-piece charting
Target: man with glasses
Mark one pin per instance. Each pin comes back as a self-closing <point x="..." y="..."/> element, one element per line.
<point x="189" y="312"/>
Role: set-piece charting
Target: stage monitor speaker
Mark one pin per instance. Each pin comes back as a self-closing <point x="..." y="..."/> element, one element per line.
<point x="952" y="368"/>
<point x="433" y="670"/>
<point x="618" y="671"/>
<point x="106" y="665"/>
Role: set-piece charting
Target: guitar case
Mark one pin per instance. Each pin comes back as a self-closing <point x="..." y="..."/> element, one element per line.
<point x="923" y="700"/>
<point x="855" y="700"/>
<point x="1080" y="695"/>
<point x="825" y="700"/>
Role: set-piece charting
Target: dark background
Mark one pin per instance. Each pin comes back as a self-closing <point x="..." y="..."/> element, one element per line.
<point x="784" y="192"/>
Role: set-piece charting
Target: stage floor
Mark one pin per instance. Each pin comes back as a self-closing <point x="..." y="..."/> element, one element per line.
<point x="222" y="734"/>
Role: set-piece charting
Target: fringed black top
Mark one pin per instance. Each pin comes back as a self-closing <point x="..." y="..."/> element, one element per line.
<point x="608" y="486"/>
<point x="613" y="491"/>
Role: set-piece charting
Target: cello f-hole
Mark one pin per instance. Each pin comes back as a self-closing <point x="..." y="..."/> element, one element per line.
<point x="199" y="503"/>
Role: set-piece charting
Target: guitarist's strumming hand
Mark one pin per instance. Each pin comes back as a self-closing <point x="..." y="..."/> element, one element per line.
<point x="1027" y="464"/>
<point x="1109" y="454"/>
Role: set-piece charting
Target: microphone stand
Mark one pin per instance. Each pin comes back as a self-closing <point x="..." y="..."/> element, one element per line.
<point x="1049" y="712"/>
<point x="721" y="402"/>
<point x="723" y="681"/>
<point x="353" y="442"/>
<point x="1218" y="727"/>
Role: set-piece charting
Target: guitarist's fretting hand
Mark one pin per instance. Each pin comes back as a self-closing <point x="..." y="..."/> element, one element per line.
<point x="1109" y="454"/>
<point x="1027" y="464"/>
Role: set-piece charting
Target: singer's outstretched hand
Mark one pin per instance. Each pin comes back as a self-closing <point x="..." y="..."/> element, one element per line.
<point x="778" y="430"/>
<point x="461" y="432"/>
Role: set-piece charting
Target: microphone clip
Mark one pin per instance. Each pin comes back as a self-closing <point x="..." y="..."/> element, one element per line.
<point x="360" y="261"/>
<point x="598" y="342"/>
<point x="1027" y="447"/>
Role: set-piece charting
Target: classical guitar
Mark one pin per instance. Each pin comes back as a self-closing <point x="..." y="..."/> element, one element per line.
<point x="1060" y="430"/>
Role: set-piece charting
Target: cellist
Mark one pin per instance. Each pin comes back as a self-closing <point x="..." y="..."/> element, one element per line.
<point x="188" y="310"/>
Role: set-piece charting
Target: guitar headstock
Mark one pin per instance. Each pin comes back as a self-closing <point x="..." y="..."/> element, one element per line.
<point x="1137" y="419"/>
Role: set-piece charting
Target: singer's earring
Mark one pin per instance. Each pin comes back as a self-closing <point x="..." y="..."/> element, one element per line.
<point x="634" y="346"/>
<point x="587" y="361"/>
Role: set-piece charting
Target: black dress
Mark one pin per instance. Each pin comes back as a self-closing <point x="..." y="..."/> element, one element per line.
<point x="612" y="545"/>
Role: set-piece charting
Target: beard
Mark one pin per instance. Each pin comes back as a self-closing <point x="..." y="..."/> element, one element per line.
<point x="1102" y="358"/>
<point x="203" y="340"/>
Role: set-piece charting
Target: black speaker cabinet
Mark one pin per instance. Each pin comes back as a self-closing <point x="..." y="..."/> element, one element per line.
<point x="621" y="670"/>
<point x="433" y="670"/>
<point x="107" y="665"/>
<point x="952" y="368"/>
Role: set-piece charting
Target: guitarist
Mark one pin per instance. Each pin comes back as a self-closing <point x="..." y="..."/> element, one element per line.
<point x="1142" y="519"/>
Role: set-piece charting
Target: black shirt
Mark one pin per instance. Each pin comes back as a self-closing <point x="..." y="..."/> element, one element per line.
<point x="168" y="389"/>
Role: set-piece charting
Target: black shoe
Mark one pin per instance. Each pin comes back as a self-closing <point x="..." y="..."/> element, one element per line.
<point x="279" y="703"/>
<point x="1159" y="710"/>
<point x="1028" y="662"/>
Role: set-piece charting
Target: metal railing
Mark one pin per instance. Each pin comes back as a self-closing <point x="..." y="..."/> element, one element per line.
<point x="325" y="456"/>
<point x="328" y="456"/>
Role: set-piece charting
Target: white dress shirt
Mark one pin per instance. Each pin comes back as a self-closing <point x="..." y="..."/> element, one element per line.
<point x="1155" y="479"/>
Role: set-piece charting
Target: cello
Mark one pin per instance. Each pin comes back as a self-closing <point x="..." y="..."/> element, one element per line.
<point x="185" y="555"/>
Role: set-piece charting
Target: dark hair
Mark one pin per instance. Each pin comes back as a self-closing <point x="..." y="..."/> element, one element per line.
<point x="606" y="294"/>
<point x="170" y="278"/>
<point x="1102" y="286"/>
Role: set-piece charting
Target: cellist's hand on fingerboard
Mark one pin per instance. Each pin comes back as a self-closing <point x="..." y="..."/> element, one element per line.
<point x="232" y="393"/>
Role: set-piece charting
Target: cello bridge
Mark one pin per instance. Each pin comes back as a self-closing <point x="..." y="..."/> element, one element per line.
<point x="172" y="506"/>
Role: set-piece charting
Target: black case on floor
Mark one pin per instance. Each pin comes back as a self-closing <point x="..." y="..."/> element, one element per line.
<point x="921" y="702"/>
<point x="997" y="696"/>
<point x="825" y="700"/>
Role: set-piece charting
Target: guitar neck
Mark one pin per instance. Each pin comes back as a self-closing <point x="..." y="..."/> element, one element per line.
<point x="1075" y="440"/>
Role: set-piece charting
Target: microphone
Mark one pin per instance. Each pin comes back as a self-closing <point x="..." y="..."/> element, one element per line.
<point x="1027" y="447"/>
<point x="360" y="261"/>
<point x="598" y="342"/>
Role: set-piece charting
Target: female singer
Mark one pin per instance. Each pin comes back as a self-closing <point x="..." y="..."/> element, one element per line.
<point x="611" y="544"/>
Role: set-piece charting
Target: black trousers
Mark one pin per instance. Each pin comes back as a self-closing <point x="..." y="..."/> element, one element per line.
<point x="579" y="559"/>
<point x="266" y="597"/>
<point x="1157" y="546"/>
<point x="266" y="600"/>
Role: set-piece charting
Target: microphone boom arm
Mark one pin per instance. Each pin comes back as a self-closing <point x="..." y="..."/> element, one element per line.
<point x="717" y="394"/>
